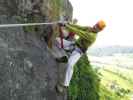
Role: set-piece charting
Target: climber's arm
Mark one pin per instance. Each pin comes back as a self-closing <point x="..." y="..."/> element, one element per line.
<point x="88" y="34"/>
<point x="83" y="28"/>
<point x="79" y="32"/>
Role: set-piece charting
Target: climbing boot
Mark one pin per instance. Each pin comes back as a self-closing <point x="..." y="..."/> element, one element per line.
<point x="60" y="88"/>
<point x="63" y="59"/>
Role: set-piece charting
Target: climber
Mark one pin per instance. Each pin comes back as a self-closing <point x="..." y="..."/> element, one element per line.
<point x="66" y="40"/>
<point x="87" y="36"/>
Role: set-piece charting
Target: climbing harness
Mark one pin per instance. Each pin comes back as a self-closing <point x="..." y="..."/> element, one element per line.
<point x="30" y="24"/>
<point x="61" y="37"/>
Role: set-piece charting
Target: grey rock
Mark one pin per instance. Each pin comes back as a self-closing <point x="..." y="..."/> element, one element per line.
<point x="28" y="70"/>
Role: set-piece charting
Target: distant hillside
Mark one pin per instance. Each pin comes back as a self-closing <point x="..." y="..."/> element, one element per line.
<point x="110" y="50"/>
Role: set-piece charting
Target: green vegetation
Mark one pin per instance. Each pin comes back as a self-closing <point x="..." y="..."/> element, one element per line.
<point x="106" y="94"/>
<point x="85" y="82"/>
<point x="55" y="10"/>
<point x="125" y="73"/>
<point x="108" y="77"/>
<point x="118" y="86"/>
<point x="90" y="84"/>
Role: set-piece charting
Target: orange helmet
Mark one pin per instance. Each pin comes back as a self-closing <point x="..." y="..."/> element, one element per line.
<point x="101" y="24"/>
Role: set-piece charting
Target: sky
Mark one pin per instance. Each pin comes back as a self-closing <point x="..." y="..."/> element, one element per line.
<point x="118" y="15"/>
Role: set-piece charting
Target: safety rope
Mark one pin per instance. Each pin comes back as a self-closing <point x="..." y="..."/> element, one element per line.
<point x="30" y="24"/>
<point x="33" y="24"/>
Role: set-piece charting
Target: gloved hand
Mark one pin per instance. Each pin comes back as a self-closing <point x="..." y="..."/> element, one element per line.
<point x="62" y="23"/>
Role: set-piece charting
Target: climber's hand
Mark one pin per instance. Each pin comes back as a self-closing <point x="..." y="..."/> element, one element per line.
<point x="62" y="23"/>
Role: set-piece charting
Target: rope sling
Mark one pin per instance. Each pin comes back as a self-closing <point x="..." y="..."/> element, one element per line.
<point x="29" y="24"/>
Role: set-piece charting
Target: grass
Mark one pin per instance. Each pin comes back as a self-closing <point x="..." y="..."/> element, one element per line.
<point x="127" y="74"/>
<point x="108" y="76"/>
<point x="106" y="94"/>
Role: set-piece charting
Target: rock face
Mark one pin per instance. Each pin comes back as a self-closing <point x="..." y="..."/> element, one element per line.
<point x="27" y="68"/>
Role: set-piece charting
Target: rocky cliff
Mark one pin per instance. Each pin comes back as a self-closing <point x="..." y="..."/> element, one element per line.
<point x="27" y="68"/>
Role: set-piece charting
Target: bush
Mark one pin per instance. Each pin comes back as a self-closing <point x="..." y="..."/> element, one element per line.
<point x="85" y="82"/>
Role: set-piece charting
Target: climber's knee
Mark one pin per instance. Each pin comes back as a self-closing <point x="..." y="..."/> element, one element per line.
<point x="63" y="59"/>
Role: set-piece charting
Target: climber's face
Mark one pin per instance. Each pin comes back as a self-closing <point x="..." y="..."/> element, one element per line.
<point x="96" y="28"/>
<point x="99" y="26"/>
